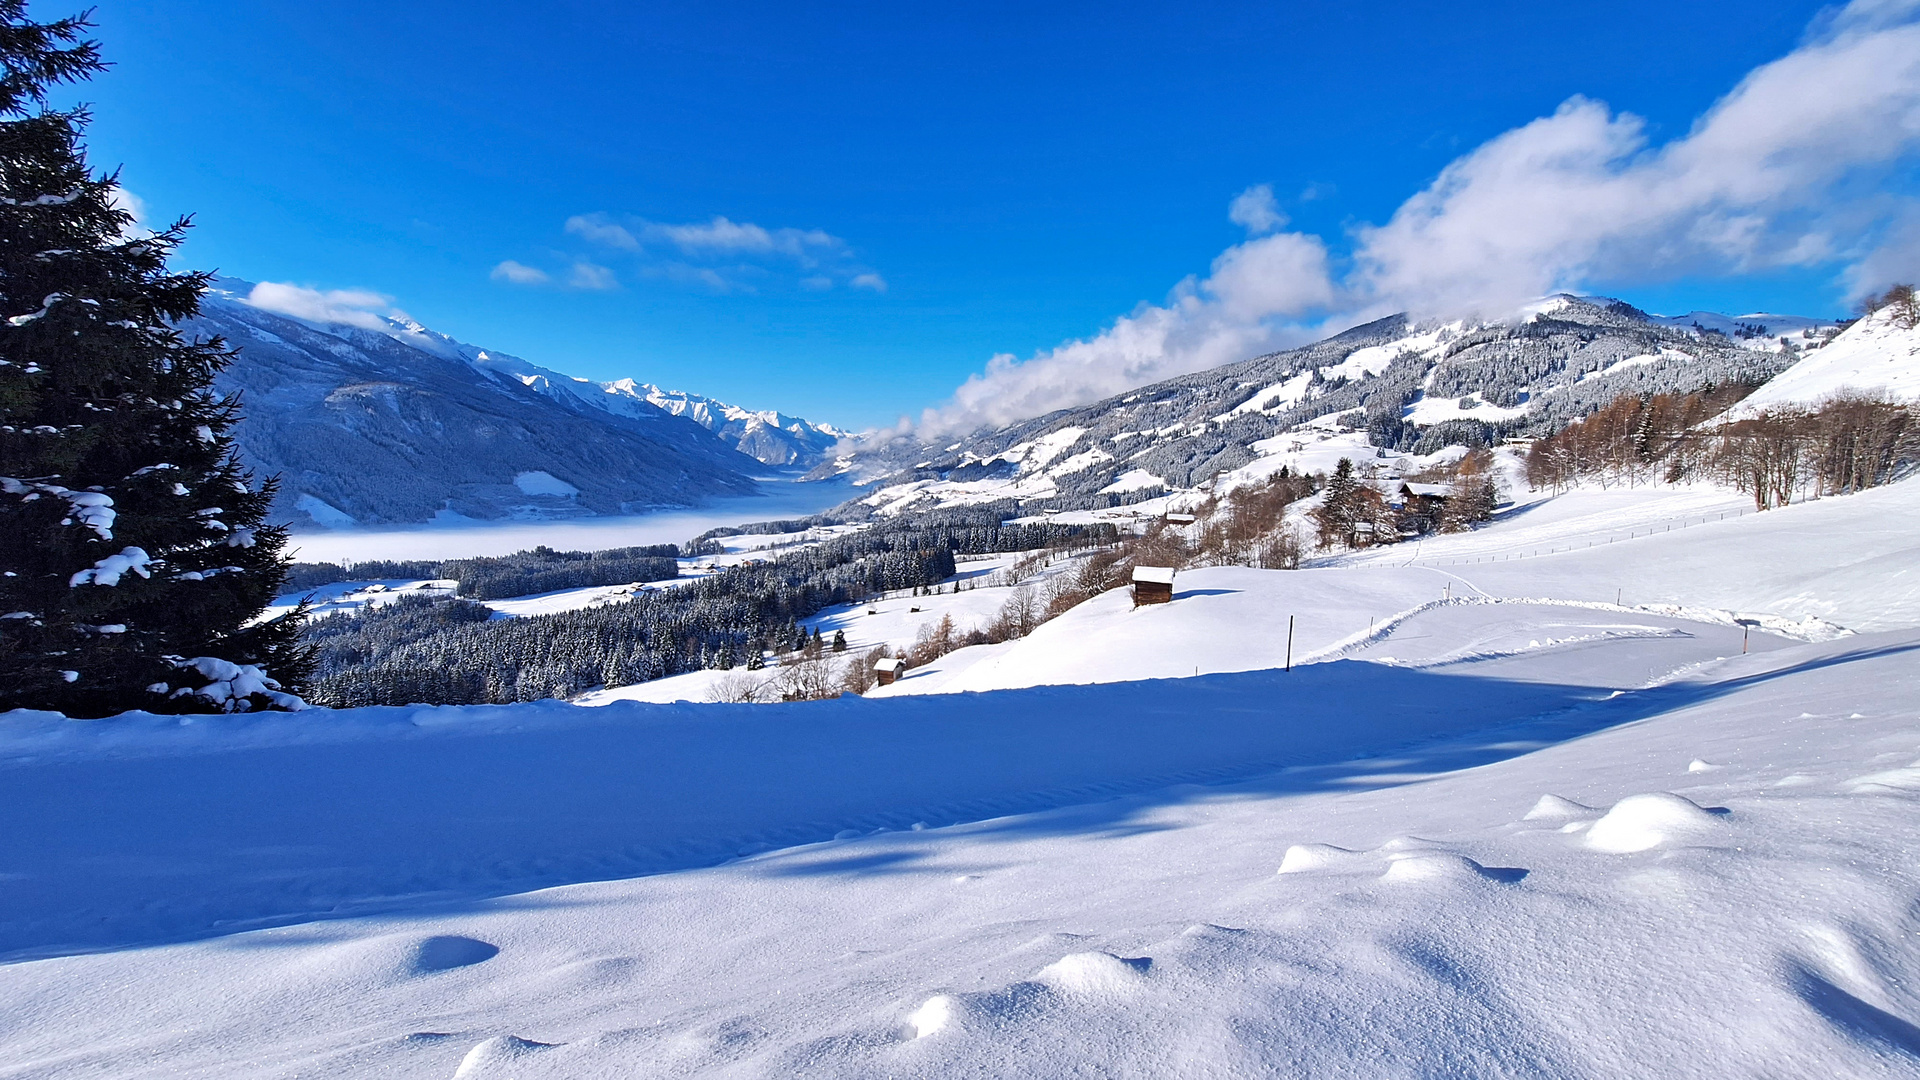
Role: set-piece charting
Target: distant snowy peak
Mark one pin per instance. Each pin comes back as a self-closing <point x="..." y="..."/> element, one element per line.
<point x="773" y="438"/>
<point x="1757" y="330"/>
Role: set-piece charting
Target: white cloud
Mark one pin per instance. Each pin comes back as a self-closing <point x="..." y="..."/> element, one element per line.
<point x="1256" y="211"/>
<point x="519" y="273"/>
<point x="1284" y="275"/>
<point x="349" y="307"/>
<point x="122" y="199"/>
<point x="1797" y="166"/>
<point x="724" y="254"/>
<point x="742" y="237"/>
<point x="595" y="228"/>
<point x="588" y="275"/>
<point x="1251" y="303"/>
<point x="1781" y="172"/>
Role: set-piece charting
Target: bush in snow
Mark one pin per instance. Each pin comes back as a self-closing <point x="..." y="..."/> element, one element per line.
<point x="130" y="536"/>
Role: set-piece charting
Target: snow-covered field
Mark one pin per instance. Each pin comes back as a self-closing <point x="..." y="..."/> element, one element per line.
<point x="1491" y="824"/>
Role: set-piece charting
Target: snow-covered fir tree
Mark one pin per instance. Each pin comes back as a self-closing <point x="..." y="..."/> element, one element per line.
<point x="133" y="546"/>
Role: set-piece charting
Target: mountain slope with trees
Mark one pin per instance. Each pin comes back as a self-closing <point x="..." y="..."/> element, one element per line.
<point x="1410" y="387"/>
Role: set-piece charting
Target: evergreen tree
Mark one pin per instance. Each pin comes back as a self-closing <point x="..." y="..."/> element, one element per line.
<point x="1341" y="507"/>
<point x="839" y="641"/>
<point x="133" y="547"/>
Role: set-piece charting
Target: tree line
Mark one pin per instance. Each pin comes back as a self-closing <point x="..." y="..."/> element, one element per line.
<point x="523" y="573"/>
<point x="451" y="652"/>
<point x="1776" y="455"/>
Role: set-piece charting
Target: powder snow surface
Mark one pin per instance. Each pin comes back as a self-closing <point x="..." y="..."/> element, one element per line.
<point x="1874" y="355"/>
<point x="1513" y="830"/>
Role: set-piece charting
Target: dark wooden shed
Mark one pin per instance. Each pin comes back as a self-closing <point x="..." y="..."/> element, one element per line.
<point x="1152" y="585"/>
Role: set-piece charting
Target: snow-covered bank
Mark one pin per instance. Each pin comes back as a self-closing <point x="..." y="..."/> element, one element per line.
<point x="1437" y="915"/>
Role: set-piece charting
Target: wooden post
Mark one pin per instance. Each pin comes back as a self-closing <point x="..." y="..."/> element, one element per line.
<point x="1744" y="631"/>
<point x="1289" y="643"/>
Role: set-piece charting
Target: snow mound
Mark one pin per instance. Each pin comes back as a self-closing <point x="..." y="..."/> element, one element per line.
<point x="497" y="1053"/>
<point x="1095" y="974"/>
<point x="1302" y="858"/>
<point x="1640" y="822"/>
<point x="1894" y="781"/>
<point x="1435" y="866"/>
<point x="1553" y="808"/>
<point x="932" y="1016"/>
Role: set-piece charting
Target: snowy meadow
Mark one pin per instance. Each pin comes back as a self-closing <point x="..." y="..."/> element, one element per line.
<point x="1489" y="821"/>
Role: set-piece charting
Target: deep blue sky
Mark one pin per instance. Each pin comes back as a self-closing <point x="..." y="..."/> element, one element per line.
<point x="1018" y="174"/>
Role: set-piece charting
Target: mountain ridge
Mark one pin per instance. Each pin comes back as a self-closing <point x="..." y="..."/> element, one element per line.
<point x="382" y="420"/>
<point x="1410" y="386"/>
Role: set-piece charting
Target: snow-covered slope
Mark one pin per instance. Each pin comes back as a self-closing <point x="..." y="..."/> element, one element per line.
<point x="1873" y="356"/>
<point x="1408" y="387"/>
<point x="1488" y="867"/>
<point x="386" y="421"/>
<point x="1535" y="837"/>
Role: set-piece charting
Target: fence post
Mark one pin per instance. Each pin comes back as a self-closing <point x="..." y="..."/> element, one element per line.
<point x="1289" y="666"/>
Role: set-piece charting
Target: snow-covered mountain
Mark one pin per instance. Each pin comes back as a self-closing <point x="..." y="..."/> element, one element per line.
<point x="1409" y="386"/>
<point x="1877" y="355"/>
<point x="772" y="437"/>
<point x="382" y="420"/>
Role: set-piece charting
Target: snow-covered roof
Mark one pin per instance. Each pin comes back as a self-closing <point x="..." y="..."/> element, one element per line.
<point x="1440" y="490"/>
<point x="889" y="663"/>
<point x="1153" y="575"/>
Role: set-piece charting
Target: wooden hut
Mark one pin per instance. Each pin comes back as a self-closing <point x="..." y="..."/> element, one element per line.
<point x="1152" y="585"/>
<point x="887" y="669"/>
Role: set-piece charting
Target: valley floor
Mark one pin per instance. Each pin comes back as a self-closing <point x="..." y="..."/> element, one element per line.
<point x="1491" y="824"/>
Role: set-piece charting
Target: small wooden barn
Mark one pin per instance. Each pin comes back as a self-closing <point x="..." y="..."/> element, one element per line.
<point x="1179" y="519"/>
<point x="1152" y="585"/>
<point x="887" y="669"/>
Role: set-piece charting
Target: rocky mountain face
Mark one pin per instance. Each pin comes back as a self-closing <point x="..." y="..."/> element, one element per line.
<point x="1411" y="387"/>
<point x="387" y="422"/>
